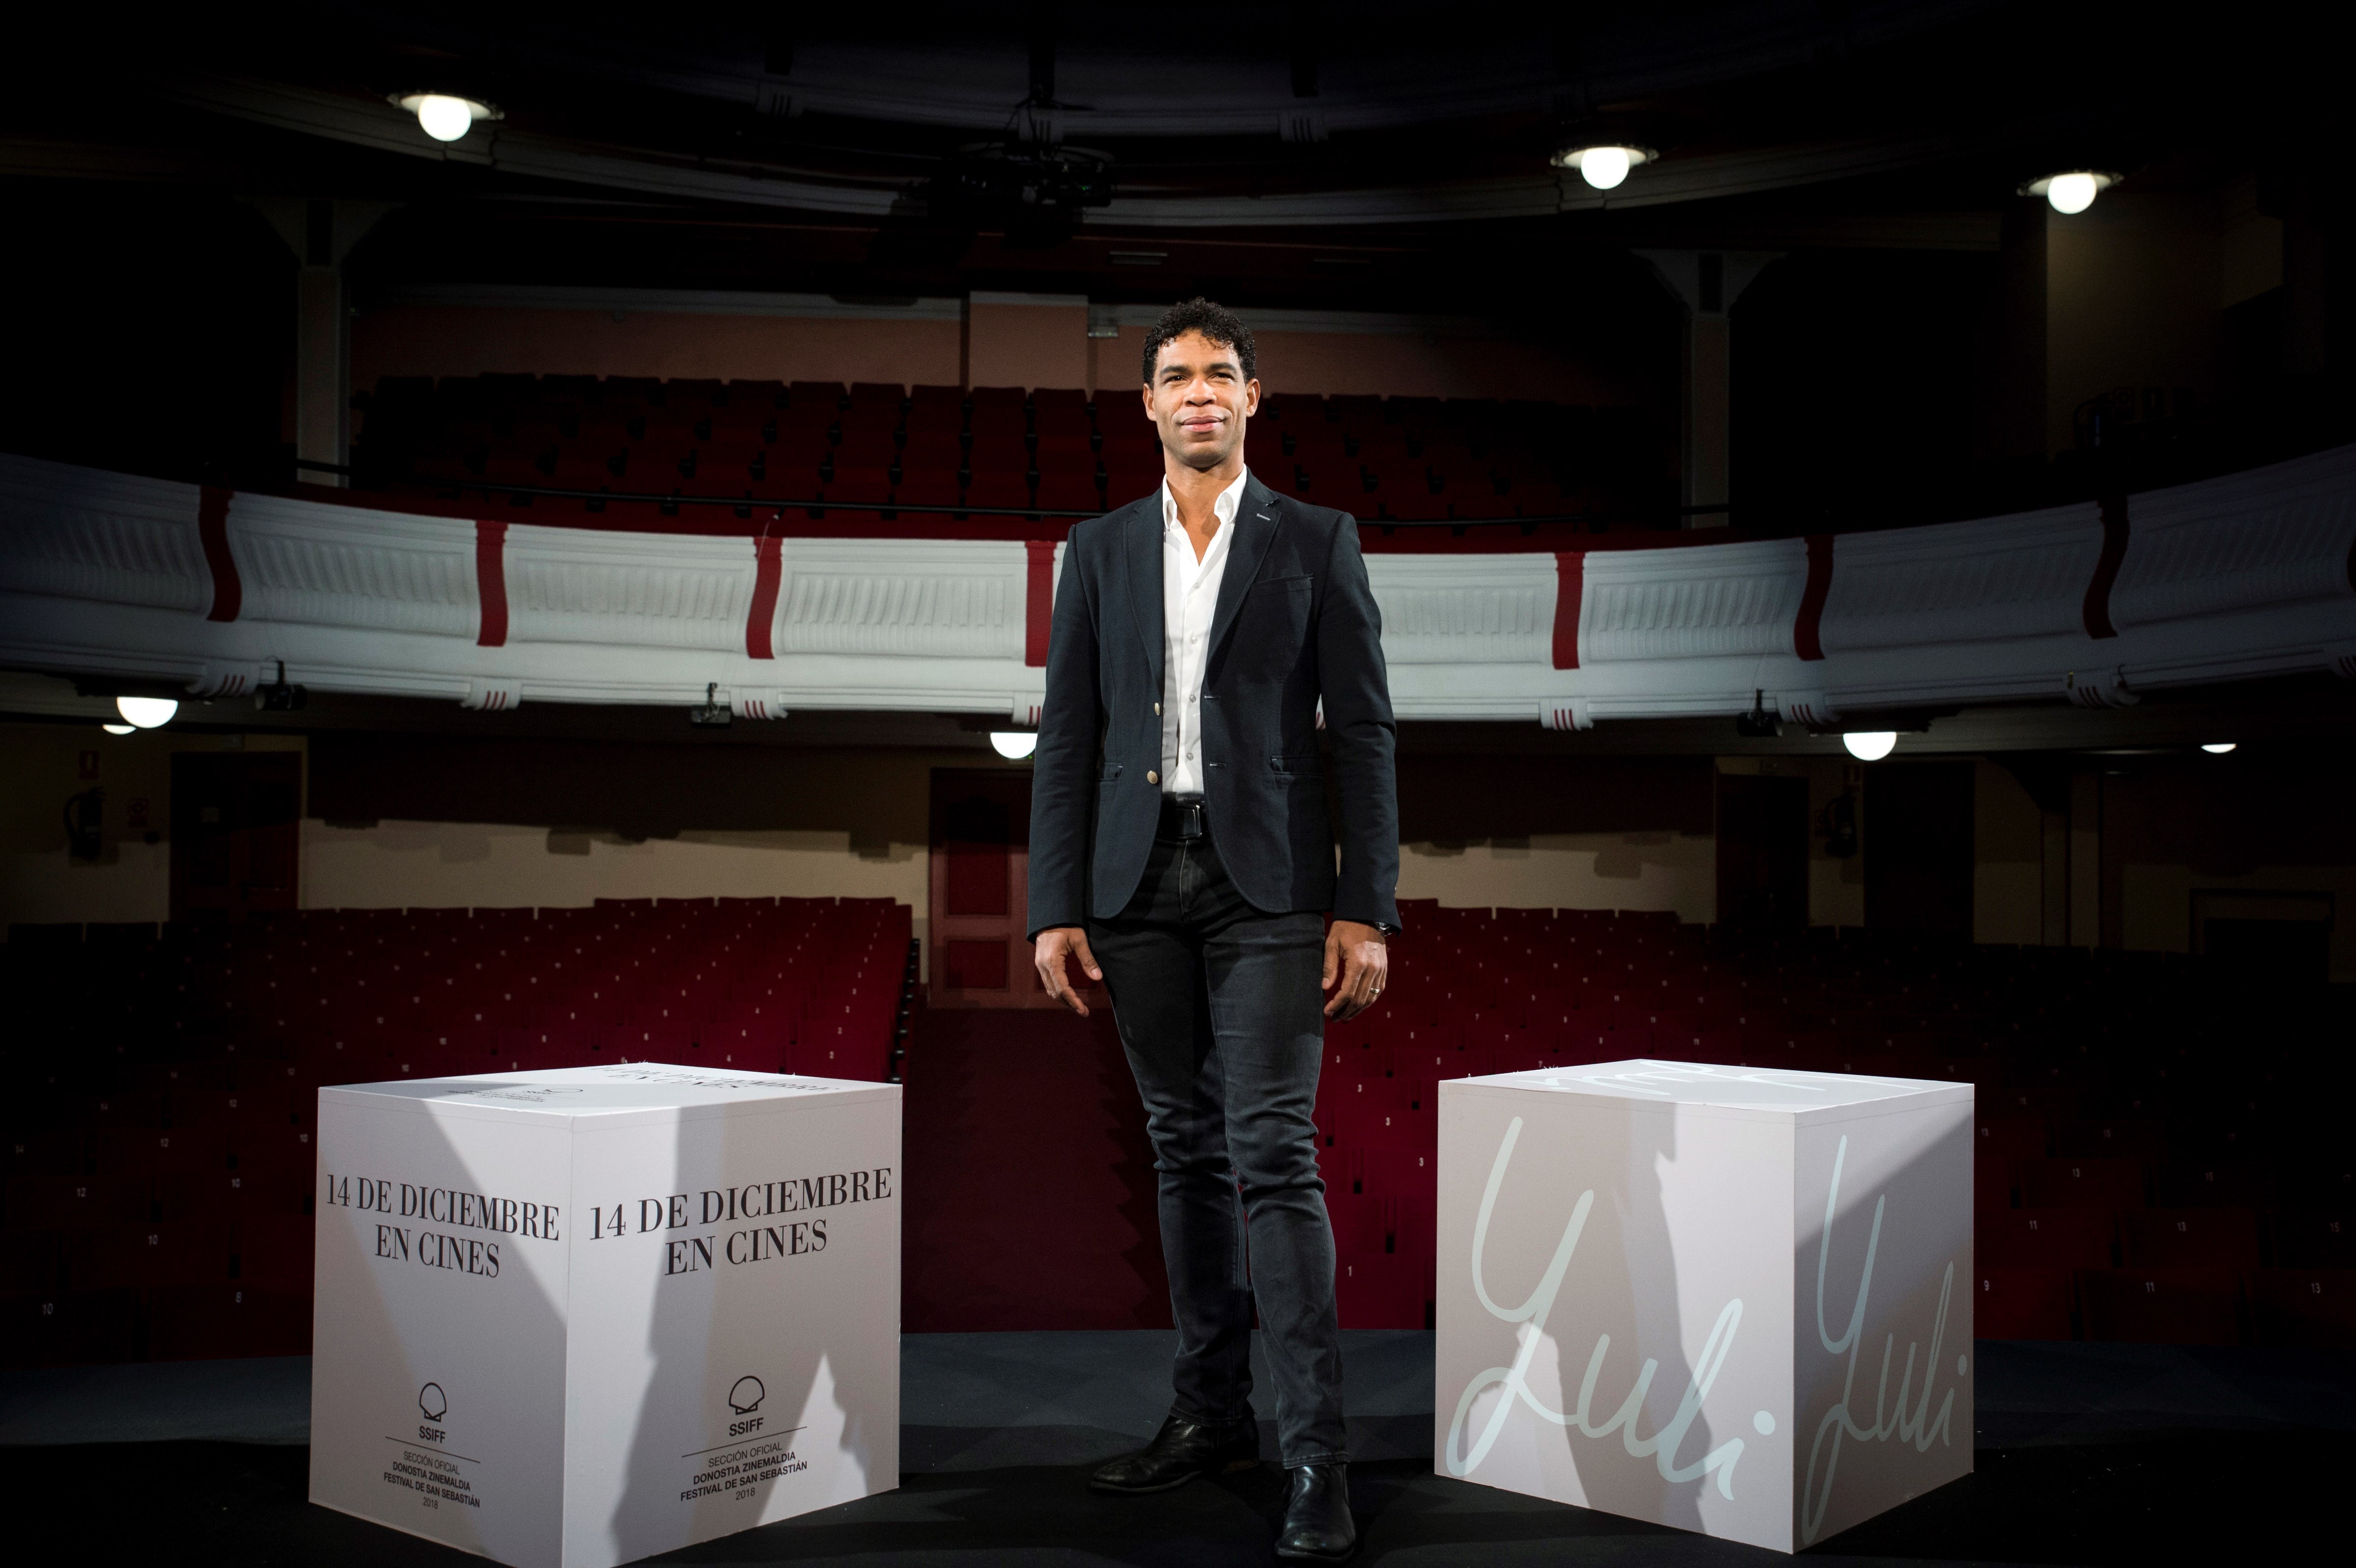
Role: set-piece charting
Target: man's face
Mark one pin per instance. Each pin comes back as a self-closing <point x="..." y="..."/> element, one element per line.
<point x="1199" y="400"/>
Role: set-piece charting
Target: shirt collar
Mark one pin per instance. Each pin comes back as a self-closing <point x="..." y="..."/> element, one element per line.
<point x="1229" y="502"/>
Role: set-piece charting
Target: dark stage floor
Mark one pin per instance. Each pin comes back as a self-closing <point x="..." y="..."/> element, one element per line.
<point x="2086" y="1454"/>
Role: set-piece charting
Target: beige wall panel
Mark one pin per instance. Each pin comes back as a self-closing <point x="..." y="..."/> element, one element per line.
<point x="1583" y="870"/>
<point x="465" y="340"/>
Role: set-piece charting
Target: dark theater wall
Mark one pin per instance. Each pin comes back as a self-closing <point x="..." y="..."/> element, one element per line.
<point x="155" y="332"/>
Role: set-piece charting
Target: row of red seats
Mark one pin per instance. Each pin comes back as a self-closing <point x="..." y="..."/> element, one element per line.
<point x="158" y="1192"/>
<point x="259" y="1248"/>
<point x="2094" y="1097"/>
<point x="163" y="1323"/>
<point x="2197" y="1306"/>
<point x="875" y="422"/>
<point x="871" y="449"/>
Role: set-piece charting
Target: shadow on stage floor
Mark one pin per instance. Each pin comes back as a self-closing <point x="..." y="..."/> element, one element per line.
<point x="2086" y="1454"/>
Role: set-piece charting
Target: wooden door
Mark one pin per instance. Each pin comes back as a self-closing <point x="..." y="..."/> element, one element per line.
<point x="236" y="832"/>
<point x="1763" y="852"/>
<point x="981" y="885"/>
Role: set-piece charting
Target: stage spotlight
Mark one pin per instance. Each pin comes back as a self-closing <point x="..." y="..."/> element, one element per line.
<point x="2071" y="192"/>
<point x="120" y="728"/>
<point x="146" y="712"/>
<point x="1869" y="745"/>
<point x="1014" y="744"/>
<point x="1758" y="724"/>
<point x="2218" y="748"/>
<point x="1603" y="167"/>
<point x="444" y="116"/>
<point x="712" y="712"/>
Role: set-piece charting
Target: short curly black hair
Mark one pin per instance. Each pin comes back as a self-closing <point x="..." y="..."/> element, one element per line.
<point x="1214" y="321"/>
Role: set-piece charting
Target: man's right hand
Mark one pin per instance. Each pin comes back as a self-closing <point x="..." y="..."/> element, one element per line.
<point x="1054" y="944"/>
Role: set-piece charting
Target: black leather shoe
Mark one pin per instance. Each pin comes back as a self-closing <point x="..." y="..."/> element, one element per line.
<point x="1317" y="1523"/>
<point x="1181" y="1451"/>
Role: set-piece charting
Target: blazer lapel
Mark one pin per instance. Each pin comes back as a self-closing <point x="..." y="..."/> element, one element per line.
<point x="1255" y="527"/>
<point x="1142" y="557"/>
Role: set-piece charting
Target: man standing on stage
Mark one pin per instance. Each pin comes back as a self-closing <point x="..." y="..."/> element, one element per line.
<point x="1182" y="851"/>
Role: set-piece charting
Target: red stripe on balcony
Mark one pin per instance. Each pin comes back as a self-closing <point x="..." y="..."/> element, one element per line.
<point x="212" y="534"/>
<point x="1038" y="601"/>
<point x="768" y="571"/>
<point x="1570" y="588"/>
<point x="491" y="583"/>
<point x="1808" y="631"/>
<point x="2106" y="569"/>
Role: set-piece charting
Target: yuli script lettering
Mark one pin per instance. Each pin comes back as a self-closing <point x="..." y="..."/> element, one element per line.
<point x="1531" y="1317"/>
<point x="1890" y="1418"/>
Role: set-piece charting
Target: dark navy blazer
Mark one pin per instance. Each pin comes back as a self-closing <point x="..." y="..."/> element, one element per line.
<point x="1295" y="622"/>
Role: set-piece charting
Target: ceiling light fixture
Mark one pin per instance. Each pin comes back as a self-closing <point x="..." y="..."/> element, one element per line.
<point x="1869" y="745"/>
<point x="445" y="116"/>
<point x="2218" y="748"/>
<point x="146" y="712"/>
<point x="120" y="728"/>
<point x="1604" y="166"/>
<point x="1014" y="744"/>
<point x="2069" y="192"/>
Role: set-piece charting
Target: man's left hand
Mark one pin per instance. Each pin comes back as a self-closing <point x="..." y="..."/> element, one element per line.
<point x="1356" y="956"/>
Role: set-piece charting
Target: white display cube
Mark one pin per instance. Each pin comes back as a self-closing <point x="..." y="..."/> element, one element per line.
<point x="575" y="1317"/>
<point x="1733" y="1300"/>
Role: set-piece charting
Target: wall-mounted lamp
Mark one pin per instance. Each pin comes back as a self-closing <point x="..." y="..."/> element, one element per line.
<point x="2071" y="192"/>
<point x="445" y="116"/>
<point x="1604" y="166"/>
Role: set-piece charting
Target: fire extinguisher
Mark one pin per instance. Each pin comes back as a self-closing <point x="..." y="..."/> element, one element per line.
<point x="84" y="815"/>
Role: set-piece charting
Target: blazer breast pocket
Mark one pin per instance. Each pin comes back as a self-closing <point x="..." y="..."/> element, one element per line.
<point x="1275" y="612"/>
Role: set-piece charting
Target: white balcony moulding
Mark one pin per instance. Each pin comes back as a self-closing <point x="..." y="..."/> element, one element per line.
<point x="1464" y="609"/>
<point x="949" y="599"/>
<point x="2023" y="576"/>
<point x="302" y="563"/>
<point x="2253" y="541"/>
<point x="1687" y="604"/>
<point x="113" y="575"/>
<point x="111" y="539"/>
<point x="628" y="590"/>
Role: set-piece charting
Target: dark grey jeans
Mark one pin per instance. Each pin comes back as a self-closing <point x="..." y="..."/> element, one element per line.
<point x="1221" y="1014"/>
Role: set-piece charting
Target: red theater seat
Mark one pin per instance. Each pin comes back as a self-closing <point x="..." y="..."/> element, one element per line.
<point x="2045" y="1238"/>
<point x="2308" y="1306"/>
<point x="66" y="1327"/>
<point x="1399" y="1172"/>
<point x="1359" y="1125"/>
<point x="2112" y="1140"/>
<point x="275" y="1249"/>
<point x="2083" y="1183"/>
<point x="1360" y="1221"/>
<point x="2189" y="1238"/>
<point x="188" y="1322"/>
<point x="1381" y="1290"/>
<point x="131" y="1256"/>
<point x="2311" y="1240"/>
<point x="2166" y="1306"/>
<point x="78" y="1202"/>
<point x="2023" y="1303"/>
<point x="2235" y="1183"/>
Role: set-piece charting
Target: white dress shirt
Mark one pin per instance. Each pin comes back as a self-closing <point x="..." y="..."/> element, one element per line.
<point x="1189" y="596"/>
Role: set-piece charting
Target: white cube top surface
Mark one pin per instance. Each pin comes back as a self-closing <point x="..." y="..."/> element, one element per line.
<point x="1722" y="1087"/>
<point x="609" y="1089"/>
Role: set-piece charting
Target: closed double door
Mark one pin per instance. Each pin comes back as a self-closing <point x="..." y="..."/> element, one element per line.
<point x="980" y="890"/>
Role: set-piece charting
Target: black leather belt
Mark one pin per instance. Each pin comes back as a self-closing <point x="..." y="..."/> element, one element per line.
<point x="1182" y="816"/>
